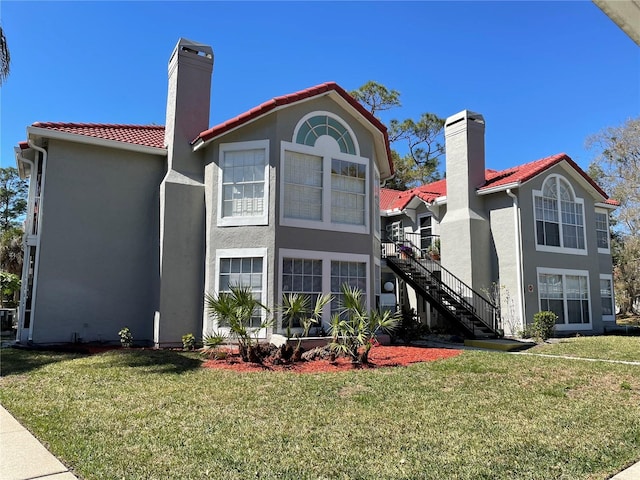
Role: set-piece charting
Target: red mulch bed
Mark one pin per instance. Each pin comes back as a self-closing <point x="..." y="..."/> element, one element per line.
<point x="379" y="356"/>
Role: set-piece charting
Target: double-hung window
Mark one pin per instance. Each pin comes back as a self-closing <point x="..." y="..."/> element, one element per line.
<point x="566" y="293"/>
<point x="606" y="295"/>
<point x="243" y="183"/>
<point x="242" y="268"/>
<point x="602" y="231"/>
<point x="559" y="216"/>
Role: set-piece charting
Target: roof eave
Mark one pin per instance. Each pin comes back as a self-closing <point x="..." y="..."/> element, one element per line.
<point x="498" y="188"/>
<point x="86" y="139"/>
<point x="608" y="206"/>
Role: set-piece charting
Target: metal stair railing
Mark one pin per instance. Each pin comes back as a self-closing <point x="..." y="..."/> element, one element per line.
<point x="451" y="292"/>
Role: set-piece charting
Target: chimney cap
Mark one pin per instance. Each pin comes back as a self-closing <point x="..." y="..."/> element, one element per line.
<point x="185" y="45"/>
<point x="467" y="115"/>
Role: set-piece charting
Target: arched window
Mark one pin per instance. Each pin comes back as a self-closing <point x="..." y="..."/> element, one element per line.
<point x="319" y="124"/>
<point x="559" y="215"/>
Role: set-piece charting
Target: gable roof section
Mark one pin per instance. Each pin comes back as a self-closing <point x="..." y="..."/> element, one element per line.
<point x="496" y="181"/>
<point x="292" y="98"/>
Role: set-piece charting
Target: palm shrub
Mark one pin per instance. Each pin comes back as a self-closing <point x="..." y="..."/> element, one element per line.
<point x="212" y="343"/>
<point x="236" y="309"/>
<point x="353" y="328"/>
<point x="296" y="306"/>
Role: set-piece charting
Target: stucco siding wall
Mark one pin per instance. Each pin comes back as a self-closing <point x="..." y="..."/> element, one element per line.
<point x="99" y="260"/>
<point x="593" y="263"/>
<point x="279" y="127"/>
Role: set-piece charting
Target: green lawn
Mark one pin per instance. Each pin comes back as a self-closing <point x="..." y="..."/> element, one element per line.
<point x="601" y="347"/>
<point x="482" y="415"/>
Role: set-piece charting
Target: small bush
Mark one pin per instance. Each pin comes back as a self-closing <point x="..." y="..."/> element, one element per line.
<point x="126" y="337"/>
<point x="188" y="341"/>
<point x="544" y="324"/>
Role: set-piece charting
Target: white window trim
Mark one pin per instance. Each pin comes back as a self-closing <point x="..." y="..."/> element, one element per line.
<point x="325" y="223"/>
<point x="240" y="221"/>
<point x="211" y="324"/>
<point x="320" y="113"/>
<point x="564" y="273"/>
<point x="326" y="258"/>
<point x="577" y="200"/>
<point x="607" y="250"/>
<point x="377" y="221"/>
<point x="609" y="318"/>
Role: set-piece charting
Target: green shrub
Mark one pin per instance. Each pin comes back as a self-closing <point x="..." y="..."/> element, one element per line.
<point x="543" y="325"/>
<point x="188" y="341"/>
<point x="126" y="337"/>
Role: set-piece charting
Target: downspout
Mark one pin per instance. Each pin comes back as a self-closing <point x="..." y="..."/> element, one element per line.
<point x="25" y="264"/>
<point x="36" y="266"/>
<point x="519" y="268"/>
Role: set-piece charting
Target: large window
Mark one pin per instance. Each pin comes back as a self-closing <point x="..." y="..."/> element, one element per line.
<point x="566" y="293"/>
<point x="246" y="268"/>
<point x="602" y="231"/>
<point x="243" y="183"/>
<point x="324" y="182"/>
<point x="315" y="273"/>
<point x="559" y="217"/>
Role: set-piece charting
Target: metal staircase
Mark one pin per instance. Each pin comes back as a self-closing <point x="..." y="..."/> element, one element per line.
<point x="450" y="296"/>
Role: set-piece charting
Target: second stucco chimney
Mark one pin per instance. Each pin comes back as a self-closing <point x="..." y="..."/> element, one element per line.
<point x="465" y="232"/>
<point x="182" y="195"/>
<point x="188" y="99"/>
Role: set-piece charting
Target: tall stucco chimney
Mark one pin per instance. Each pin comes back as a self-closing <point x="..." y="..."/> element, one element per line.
<point x="188" y="98"/>
<point x="182" y="199"/>
<point x="465" y="232"/>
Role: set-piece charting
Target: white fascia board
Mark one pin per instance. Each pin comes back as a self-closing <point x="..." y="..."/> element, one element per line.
<point x="501" y="188"/>
<point x="100" y="142"/>
<point x="391" y="213"/>
<point x="605" y="205"/>
<point x="202" y="143"/>
<point x="440" y="200"/>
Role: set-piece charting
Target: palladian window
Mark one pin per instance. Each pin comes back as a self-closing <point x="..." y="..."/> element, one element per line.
<point x="324" y="181"/>
<point x="559" y="216"/>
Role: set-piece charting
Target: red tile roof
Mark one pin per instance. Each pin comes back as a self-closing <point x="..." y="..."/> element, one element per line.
<point x="395" y="200"/>
<point x="153" y="135"/>
<point x="146" y="135"/>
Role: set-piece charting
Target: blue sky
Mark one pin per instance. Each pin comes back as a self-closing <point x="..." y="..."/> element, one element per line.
<point x="545" y="75"/>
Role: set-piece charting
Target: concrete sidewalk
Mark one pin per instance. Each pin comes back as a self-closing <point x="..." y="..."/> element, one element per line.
<point x="22" y="457"/>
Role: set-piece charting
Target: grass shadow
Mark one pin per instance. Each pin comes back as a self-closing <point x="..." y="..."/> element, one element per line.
<point x="18" y="361"/>
<point x="154" y="361"/>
